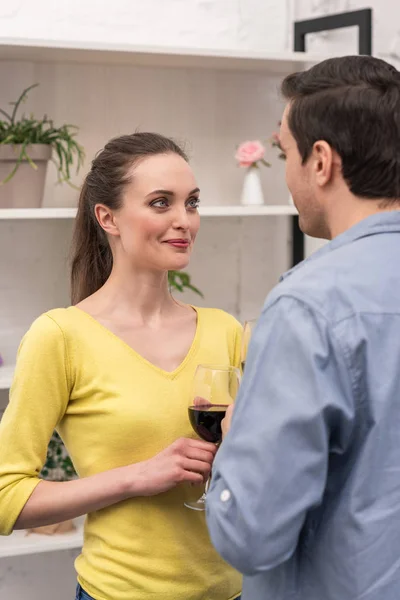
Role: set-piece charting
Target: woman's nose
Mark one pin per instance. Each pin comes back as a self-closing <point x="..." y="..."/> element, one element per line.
<point x="180" y="219"/>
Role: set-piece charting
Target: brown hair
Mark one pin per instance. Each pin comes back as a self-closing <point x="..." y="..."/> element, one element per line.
<point x="91" y="254"/>
<point x="353" y="103"/>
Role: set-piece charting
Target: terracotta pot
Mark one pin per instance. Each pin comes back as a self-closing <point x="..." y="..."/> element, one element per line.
<point x="25" y="188"/>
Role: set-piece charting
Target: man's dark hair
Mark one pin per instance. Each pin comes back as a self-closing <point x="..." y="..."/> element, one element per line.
<point x="353" y="103"/>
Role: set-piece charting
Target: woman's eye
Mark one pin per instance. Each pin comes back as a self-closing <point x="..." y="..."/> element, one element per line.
<point x="161" y="203"/>
<point x="194" y="203"/>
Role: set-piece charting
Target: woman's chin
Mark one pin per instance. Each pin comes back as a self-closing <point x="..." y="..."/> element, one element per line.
<point x="179" y="263"/>
<point x="178" y="267"/>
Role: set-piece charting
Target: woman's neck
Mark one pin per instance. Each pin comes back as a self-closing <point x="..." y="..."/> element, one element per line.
<point x="142" y="297"/>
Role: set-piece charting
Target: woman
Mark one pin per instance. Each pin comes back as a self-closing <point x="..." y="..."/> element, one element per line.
<point x="113" y="373"/>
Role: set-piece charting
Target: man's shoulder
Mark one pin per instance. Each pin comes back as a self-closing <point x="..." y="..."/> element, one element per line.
<point x="324" y="285"/>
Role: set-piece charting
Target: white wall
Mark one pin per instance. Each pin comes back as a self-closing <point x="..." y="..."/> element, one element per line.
<point x="192" y="23"/>
<point x="236" y="262"/>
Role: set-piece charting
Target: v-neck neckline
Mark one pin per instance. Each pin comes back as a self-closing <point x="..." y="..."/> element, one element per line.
<point x="168" y="374"/>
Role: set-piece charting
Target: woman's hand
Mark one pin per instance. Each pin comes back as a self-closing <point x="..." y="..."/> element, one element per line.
<point x="53" y="501"/>
<point x="186" y="460"/>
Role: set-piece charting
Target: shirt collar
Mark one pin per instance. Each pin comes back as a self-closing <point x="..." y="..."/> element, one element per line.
<point x="382" y="222"/>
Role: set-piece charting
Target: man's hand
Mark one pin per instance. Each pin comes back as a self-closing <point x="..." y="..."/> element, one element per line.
<point x="226" y="422"/>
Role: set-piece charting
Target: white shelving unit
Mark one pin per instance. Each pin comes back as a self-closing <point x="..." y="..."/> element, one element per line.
<point x="6" y="376"/>
<point x="98" y="65"/>
<point x="10" y="214"/>
<point x="38" y="50"/>
<point x="21" y="544"/>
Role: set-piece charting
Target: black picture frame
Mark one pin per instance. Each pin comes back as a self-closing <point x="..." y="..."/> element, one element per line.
<point x="357" y="18"/>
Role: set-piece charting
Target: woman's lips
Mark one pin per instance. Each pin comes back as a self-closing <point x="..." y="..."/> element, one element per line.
<point x="178" y="243"/>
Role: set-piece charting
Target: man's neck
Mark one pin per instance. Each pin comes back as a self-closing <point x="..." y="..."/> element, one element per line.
<point x="348" y="213"/>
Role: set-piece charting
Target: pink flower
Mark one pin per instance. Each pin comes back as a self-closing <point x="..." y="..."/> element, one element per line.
<point x="275" y="142"/>
<point x="276" y="139"/>
<point x="249" y="153"/>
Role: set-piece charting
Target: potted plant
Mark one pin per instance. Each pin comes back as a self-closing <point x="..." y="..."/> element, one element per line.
<point x="58" y="467"/>
<point x="26" y="146"/>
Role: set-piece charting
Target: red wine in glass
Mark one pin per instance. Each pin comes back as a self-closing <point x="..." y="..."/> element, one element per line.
<point x="206" y="421"/>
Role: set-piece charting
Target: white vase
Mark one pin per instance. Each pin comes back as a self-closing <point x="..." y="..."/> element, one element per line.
<point x="252" y="193"/>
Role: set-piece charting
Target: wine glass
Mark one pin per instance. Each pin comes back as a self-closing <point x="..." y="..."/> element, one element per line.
<point x="215" y="388"/>
<point x="248" y="330"/>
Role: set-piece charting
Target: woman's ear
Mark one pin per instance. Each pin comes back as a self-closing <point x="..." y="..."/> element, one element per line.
<point x="106" y="219"/>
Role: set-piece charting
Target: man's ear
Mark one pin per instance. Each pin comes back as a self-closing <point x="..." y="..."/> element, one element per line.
<point x="324" y="159"/>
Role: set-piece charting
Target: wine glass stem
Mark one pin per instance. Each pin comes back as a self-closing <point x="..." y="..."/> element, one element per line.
<point x="204" y="494"/>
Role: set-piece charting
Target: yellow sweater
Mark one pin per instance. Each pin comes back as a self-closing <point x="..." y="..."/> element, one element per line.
<point x="113" y="408"/>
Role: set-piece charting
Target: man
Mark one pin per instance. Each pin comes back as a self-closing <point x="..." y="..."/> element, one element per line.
<point x="305" y="496"/>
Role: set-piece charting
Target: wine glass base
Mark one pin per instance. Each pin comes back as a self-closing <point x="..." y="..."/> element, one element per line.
<point x="198" y="505"/>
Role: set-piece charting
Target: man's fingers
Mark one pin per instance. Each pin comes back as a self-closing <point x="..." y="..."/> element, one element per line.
<point x="226" y="422"/>
<point x="199" y="401"/>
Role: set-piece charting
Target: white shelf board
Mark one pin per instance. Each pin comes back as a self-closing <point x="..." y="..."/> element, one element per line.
<point x="41" y="50"/>
<point x="6" y="377"/>
<point x="248" y="211"/>
<point x="205" y="211"/>
<point x="20" y="544"/>
<point x="37" y="213"/>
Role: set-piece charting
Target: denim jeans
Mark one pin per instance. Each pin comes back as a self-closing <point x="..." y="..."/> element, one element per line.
<point x="82" y="595"/>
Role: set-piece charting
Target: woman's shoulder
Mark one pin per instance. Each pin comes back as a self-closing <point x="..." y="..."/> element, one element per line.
<point x="218" y="317"/>
<point x="46" y="336"/>
<point x="54" y="322"/>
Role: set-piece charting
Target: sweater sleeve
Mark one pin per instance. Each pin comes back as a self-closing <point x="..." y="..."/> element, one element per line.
<point x="38" y="400"/>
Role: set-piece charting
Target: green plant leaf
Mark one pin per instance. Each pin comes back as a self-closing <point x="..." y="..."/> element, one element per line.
<point x="22" y="98"/>
<point x="179" y="280"/>
<point x="196" y="290"/>
<point x="30" y="161"/>
<point x="3" y="112"/>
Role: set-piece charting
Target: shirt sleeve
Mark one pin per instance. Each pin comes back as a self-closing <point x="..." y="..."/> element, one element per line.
<point x="293" y="408"/>
<point x="38" y="399"/>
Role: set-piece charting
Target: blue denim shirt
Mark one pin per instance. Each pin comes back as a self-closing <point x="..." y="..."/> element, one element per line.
<point x="305" y="496"/>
